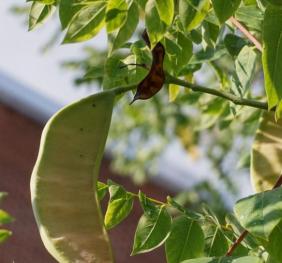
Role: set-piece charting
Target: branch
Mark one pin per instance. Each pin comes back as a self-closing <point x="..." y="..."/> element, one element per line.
<point x="226" y="95"/>
<point x="246" y="32"/>
<point x="246" y="232"/>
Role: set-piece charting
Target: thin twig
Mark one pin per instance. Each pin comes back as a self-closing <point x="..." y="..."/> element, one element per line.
<point x="226" y="95"/>
<point x="238" y="241"/>
<point x="246" y="32"/>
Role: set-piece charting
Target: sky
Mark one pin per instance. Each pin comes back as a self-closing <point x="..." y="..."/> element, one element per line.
<point x="21" y="57"/>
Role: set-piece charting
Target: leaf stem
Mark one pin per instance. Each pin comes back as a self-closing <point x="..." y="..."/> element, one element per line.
<point x="246" y="32"/>
<point x="238" y="241"/>
<point x="151" y="199"/>
<point x="226" y="95"/>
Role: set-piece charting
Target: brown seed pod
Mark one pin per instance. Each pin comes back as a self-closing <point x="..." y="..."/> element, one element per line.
<point x="155" y="79"/>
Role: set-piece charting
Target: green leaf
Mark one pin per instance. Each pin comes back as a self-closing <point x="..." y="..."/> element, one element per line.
<point x="234" y="44"/>
<point x="245" y="67"/>
<point x="209" y="54"/>
<point x="5" y="218"/>
<point x="275" y="240"/>
<point x="251" y="16"/>
<point x="153" y="227"/>
<point x="274" y="2"/>
<point x="116" y="14"/>
<point x="266" y="153"/>
<point x="101" y="190"/>
<point x="186" y="240"/>
<point x="216" y="243"/>
<point x="248" y="259"/>
<point x="193" y="12"/>
<point x="166" y="10"/>
<point x="173" y="92"/>
<point x="225" y="9"/>
<point x="260" y="213"/>
<point x="67" y="9"/>
<point x="38" y="14"/>
<point x="86" y="23"/>
<point x="128" y="27"/>
<point x="251" y="2"/>
<point x="64" y="179"/>
<point x="154" y="25"/>
<point x="272" y="54"/>
<point x="3" y="196"/>
<point x="46" y="2"/>
<point x="4" y="235"/>
<point x="119" y="206"/>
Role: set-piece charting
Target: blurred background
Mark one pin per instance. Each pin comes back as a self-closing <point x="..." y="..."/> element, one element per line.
<point x="162" y="150"/>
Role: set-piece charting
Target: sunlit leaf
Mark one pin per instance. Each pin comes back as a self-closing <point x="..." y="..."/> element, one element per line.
<point x="116" y="13"/>
<point x="166" y="10"/>
<point x="86" y="23"/>
<point x="101" y="190"/>
<point x="260" y="213"/>
<point x="225" y="9"/>
<point x="266" y="165"/>
<point x="119" y="206"/>
<point x="249" y="259"/>
<point x="38" y="14"/>
<point x="4" y="235"/>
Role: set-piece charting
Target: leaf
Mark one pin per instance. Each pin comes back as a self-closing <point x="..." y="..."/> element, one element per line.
<point x="3" y="196"/>
<point x="5" y="218"/>
<point x="251" y="16"/>
<point x="101" y="190"/>
<point x="86" y="23"/>
<point x="38" y="14"/>
<point x="216" y="243"/>
<point x="67" y="9"/>
<point x="128" y="27"/>
<point x="64" y="178"/>
<point x="186" y="240"/>
<point x="225" y="9"/>
<point x="248" y="259"/>
<point x="234" y="44"/>
<point x="274" y="2"/>
<point x="272" y="54"/>
<point x="154" y="25"/>
<point x="116" y="14"/>
<point x="153" y="227"/>
<point x="193" y="12"/>
<point x="4" y="235"/>
<point x="275" y="239"/>
<point x="166" y="10"/>
<point x="173" y="92"/>
<point x="266" y="165"/>
<point x="245" y="65"/>
<point x="260" y="213"/>
<point x="209" y="54"/>
<point x="119" y="206"/>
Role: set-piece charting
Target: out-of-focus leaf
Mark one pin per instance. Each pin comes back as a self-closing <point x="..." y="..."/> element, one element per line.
<point x="272" y="54"/>
<point x="275" y="240"/>
<point x="166" y="10"/>
<point x="128" y="27"/>
<point x="173" y="92"/>
<point x="4" y="235"/>
<point x="2" y="196"/>
<point x="248" y="259"/>
<point x="274" y="2"/>
<point x="225" y="9"/>
<point x="209" y="54"/>
<point x="266" y="163"/>
<point x="245" y="67"/>
<point x="193" y="12"/>
<point x="186" y="240"/>
<point x="153" y="227"/>
<point x="38" y="14"/>
<point x="86" y="23"/>
<point x="154" y="25"/>
<point x="260" y="213"/>
<point x="116" y="14"/>
<point x="119" y="206"/>
<point x="5" y="218"/>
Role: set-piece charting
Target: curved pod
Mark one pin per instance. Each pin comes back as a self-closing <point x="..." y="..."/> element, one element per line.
<point x="63" y="182"/>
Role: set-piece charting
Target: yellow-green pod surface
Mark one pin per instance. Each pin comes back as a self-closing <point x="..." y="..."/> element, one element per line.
<point x="266" y="158"/>
<point x="63" y="182"/>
